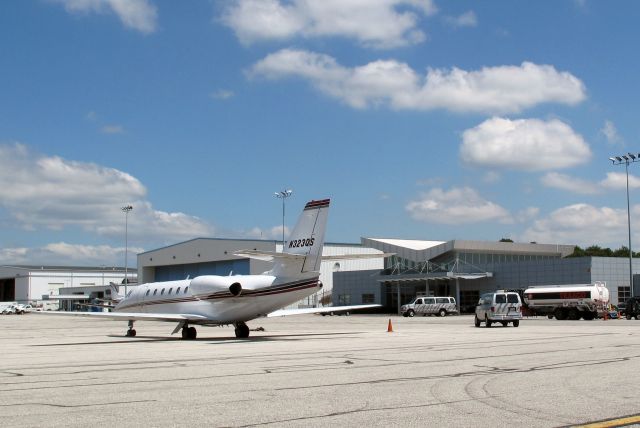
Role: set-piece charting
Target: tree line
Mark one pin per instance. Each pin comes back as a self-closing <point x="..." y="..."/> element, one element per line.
<point x="597" y="251"/>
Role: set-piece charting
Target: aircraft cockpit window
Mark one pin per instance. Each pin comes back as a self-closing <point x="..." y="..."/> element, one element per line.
<point x="185" y="289"/>
<point x="178" y="290"/>
<point x="162" y="292"/>
<point x="171" y="289"/>
<point x="155" y="291"/>
<point x="148" y="291"/>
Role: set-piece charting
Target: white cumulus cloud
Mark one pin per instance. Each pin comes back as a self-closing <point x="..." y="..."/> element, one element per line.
<point x="582" y="224"/>
<point x="140" y="15"/>
<point x="456" y="206"/>
<point x="65" y="254"/>
<point x="613" y="181"/>
<point x="618" y="180"/>
<point x="394" y="84"/>
<point x="373" y="23"/>
<point x="572" y="184"/>
<point x="50" y="192"/>
<point x="523" y="144"/>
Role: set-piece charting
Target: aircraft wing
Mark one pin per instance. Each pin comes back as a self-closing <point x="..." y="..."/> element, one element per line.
<point x="125" y="316"/>
<point x="326" y="310"/>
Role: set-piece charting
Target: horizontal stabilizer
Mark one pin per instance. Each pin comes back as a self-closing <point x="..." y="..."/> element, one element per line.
<point x="268" y="256"/>
<point x="131" y="316"/>
<point x="325" y="310"/>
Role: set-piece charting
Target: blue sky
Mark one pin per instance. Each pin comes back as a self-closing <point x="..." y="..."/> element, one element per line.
<point x="419" y="119"/>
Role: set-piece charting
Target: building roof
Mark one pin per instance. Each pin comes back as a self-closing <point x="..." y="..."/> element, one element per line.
<point x="412" y="244"/>
<point x="418" y="250"/>
<point x="70" y="268"/>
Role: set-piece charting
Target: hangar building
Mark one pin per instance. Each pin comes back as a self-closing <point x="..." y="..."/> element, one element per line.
<point x="27" y="284"/>
<point x="466" y="269"/>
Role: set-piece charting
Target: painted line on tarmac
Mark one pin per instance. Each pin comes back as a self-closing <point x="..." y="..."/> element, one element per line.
<point x="609" y="423"/>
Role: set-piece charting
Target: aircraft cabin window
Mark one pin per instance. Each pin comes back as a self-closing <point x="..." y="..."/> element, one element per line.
<point x="170" y="290"/>
<point x="148" y="291"/>
<point x="155" y="291"/>
<point x="178" y="290"/>
<point x="162" y="292"/>
<point x="185" y="289"/>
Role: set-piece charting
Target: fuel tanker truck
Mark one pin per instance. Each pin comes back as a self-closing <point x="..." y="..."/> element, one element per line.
<point x="568" y="301"/>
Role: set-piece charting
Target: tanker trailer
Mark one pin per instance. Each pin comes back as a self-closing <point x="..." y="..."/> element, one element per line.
<point x="587" y="301"/>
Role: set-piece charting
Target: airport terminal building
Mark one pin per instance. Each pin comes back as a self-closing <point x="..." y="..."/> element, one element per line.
<point x="466" y="269"/>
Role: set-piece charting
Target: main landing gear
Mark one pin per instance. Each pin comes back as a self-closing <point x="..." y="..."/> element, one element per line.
<point x="131" y="332"/>
<point x="189" y="333"/>
<point x="242" y="330"/>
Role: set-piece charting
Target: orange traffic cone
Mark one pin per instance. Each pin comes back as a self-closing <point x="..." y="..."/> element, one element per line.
<point x="389" y="327"/>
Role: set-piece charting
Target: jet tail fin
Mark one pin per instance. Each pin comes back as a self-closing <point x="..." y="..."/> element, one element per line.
<point x="305" y="242"/>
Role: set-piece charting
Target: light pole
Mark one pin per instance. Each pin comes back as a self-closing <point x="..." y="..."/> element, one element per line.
<point x="284" y="194"/>
<point x="626" y="160"/>
<point x="126" y="210"/>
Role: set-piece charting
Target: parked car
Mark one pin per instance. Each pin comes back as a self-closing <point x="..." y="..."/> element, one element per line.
<point x="441" y="306"/>
<point x="501" y="306"/>
<point x="11" y="310"/>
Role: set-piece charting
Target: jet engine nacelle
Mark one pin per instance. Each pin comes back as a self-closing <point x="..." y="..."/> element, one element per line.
<point x="207" y="285"/>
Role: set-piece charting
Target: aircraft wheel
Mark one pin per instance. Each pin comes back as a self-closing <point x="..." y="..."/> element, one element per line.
<point x="131" y="333"/>
<point x="242" y="331"/>
<point x="185" y="333"/>
<point x="192" y="333"/>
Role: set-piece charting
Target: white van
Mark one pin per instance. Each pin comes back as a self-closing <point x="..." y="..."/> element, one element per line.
<point x="442" y="306"/>
<point x="502" y="306"/>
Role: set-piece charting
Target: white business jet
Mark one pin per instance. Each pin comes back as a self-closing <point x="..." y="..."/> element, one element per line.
<point x="236" y="299"/>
